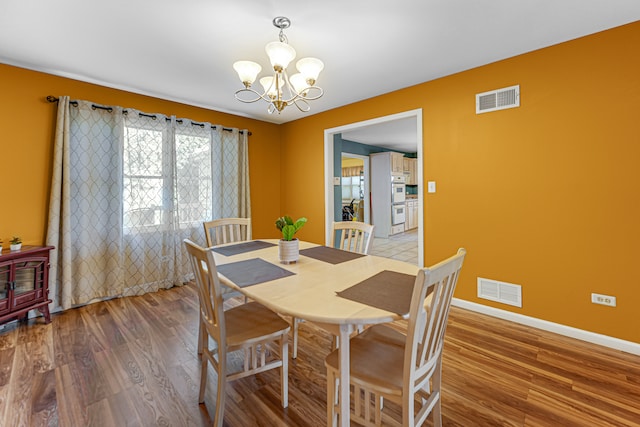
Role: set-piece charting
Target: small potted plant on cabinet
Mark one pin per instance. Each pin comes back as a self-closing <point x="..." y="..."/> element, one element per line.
<point x="16" y="243"/>
<point x="288" y="247"/>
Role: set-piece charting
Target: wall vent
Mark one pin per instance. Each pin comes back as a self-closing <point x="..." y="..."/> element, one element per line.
<point x="506" y="293"/>
<point x="499" y="99"/>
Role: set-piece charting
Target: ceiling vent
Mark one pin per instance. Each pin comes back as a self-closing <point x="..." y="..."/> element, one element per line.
<point x="506" y="293"/>
<point x="500" y="99"/>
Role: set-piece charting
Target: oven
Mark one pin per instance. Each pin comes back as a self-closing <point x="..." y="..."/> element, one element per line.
<point x="398" y="214"/>
<point x="398" y="189"/>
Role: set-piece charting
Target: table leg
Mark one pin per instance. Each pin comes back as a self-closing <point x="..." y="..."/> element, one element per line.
<point x="343" y="351"/>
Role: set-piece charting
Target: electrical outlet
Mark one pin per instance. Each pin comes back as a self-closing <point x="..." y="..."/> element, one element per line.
<point x="603" y="299"/>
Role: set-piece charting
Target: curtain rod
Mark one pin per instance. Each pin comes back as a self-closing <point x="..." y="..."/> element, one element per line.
<point x="51" y="98"/>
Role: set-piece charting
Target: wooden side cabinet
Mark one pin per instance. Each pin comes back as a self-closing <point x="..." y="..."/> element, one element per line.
<point x="24" y="282"/>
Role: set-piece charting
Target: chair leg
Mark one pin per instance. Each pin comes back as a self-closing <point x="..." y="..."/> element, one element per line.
<point x="202" y="337"/>
<point x="332" y="399"/>
<point x="436" y="388"/>
<point x="408" y="412"/>
<point x="294" y="325"/>
<point x="221" y="397"/>
<point x="284" y="370"/>
<point x="204" y="362"/>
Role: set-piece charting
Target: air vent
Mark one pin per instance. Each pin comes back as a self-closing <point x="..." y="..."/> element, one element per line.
<point x="500" y="99"/>
<point x="506" y="293"/>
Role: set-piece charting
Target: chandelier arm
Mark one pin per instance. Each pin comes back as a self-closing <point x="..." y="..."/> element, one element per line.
<point x="305" y="108"/>
<point x="314" y="97"/>
<point x="292" y="91"/>
<point x="258" y="96"/>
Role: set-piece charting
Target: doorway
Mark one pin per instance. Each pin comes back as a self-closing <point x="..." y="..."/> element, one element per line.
<point x="355" y="185"/>
<point x="333" y="174"/>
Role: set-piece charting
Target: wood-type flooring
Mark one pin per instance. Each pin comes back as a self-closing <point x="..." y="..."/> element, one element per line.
<point x="132" y="362"/>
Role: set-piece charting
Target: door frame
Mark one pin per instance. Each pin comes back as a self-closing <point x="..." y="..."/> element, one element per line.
<point x="329" y="172"/>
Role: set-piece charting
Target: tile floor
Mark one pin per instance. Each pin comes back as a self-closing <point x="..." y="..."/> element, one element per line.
<point x="403" y="246"/>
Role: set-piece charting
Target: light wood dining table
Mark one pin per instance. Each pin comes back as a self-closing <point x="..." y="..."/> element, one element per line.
<point x="310" y="293"/>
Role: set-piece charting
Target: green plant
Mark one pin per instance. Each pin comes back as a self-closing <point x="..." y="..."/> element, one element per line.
<point x="15" y="240"/>
<point x="288" y="227"/>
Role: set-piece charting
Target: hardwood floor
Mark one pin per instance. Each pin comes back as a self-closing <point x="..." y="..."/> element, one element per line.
<point x="132" y="362"/>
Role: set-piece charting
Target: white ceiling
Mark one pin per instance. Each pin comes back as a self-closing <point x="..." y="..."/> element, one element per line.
<point x="184" y="50"/>
<point x="396" y="135"/>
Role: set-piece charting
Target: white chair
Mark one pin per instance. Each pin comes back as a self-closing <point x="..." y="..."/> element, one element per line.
<point x="227" y="230"/>
<point x="385" y="364"/>
<point x="249" y="327"/>
<point x="352" y="236"/>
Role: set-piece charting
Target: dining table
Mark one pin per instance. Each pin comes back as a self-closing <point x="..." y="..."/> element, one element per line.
<point x="336" y="290"/>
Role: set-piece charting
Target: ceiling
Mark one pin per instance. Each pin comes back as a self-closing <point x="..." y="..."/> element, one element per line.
<point x="184" y="51"/>
<point x="395" y="135"/>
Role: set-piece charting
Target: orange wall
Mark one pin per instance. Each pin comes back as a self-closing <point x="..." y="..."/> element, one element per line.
<point x="27" y="139"/>
<point x="546" y="195"/>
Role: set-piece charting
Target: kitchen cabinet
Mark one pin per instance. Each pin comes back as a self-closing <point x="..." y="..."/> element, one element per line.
<point x="410" y="169"/>
<point x="397" y="163"/>
<point x="24" y="282"/>
<point x="406" y="222"/>
<point x="411" y="214"/>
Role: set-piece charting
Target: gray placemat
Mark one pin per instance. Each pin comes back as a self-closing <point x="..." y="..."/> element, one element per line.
<point x="243" y="247"/>
<point x="330" y="255"/>
<point x="252" y="271"/>
<point x="388" y="290"/>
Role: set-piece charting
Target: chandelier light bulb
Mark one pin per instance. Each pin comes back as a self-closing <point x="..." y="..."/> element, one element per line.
<point x="269" y="87"/>
<point x="299" y="83"/>
<point x="280" y="54"/>
<point x="310" y="68"/>
<point x="247" y="71"/>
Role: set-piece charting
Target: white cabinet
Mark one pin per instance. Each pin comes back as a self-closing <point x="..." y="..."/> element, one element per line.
<point x="406" y="223"/>
<point x="411" y="214"/>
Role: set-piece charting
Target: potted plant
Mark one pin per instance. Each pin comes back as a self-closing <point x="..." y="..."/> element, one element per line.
<point x="288" y="247"/>
<point x="16" y="243"/>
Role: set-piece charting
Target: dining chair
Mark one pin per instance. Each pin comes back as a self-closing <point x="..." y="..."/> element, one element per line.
<point x="386" y="364"/>
<point x="352" y="236"/>
<point x="250" y="327"/>
<point x="227" y="230"/>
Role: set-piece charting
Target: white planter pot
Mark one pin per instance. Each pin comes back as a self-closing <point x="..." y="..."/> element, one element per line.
<point x="16" y="247"/>
<point x="288" y="251"/>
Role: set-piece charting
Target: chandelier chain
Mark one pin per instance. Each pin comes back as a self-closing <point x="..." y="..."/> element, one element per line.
<point x="282" y="37"/>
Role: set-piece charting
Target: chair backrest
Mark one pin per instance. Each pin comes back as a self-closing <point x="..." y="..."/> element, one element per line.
<point x="227" y="230"/>
<point x="209" y="289"/>
<point x="352" y="236"/>
<point x="428" y="319"/>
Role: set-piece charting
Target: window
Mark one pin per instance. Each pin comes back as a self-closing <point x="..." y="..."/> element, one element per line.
<point x="149" y="189"/>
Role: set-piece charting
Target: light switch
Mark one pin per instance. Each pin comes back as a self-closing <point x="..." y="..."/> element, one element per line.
<point x="431" y="187"/>
<point x="336" y="180"/>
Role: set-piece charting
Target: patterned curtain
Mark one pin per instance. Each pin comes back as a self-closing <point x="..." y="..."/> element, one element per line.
<point x="127" y="188"/>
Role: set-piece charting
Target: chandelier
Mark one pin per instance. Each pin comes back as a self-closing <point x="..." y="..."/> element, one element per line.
<point x="280" y="90"/>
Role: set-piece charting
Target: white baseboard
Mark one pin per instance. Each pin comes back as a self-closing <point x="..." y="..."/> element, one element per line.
<point x="592" y="337"/>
